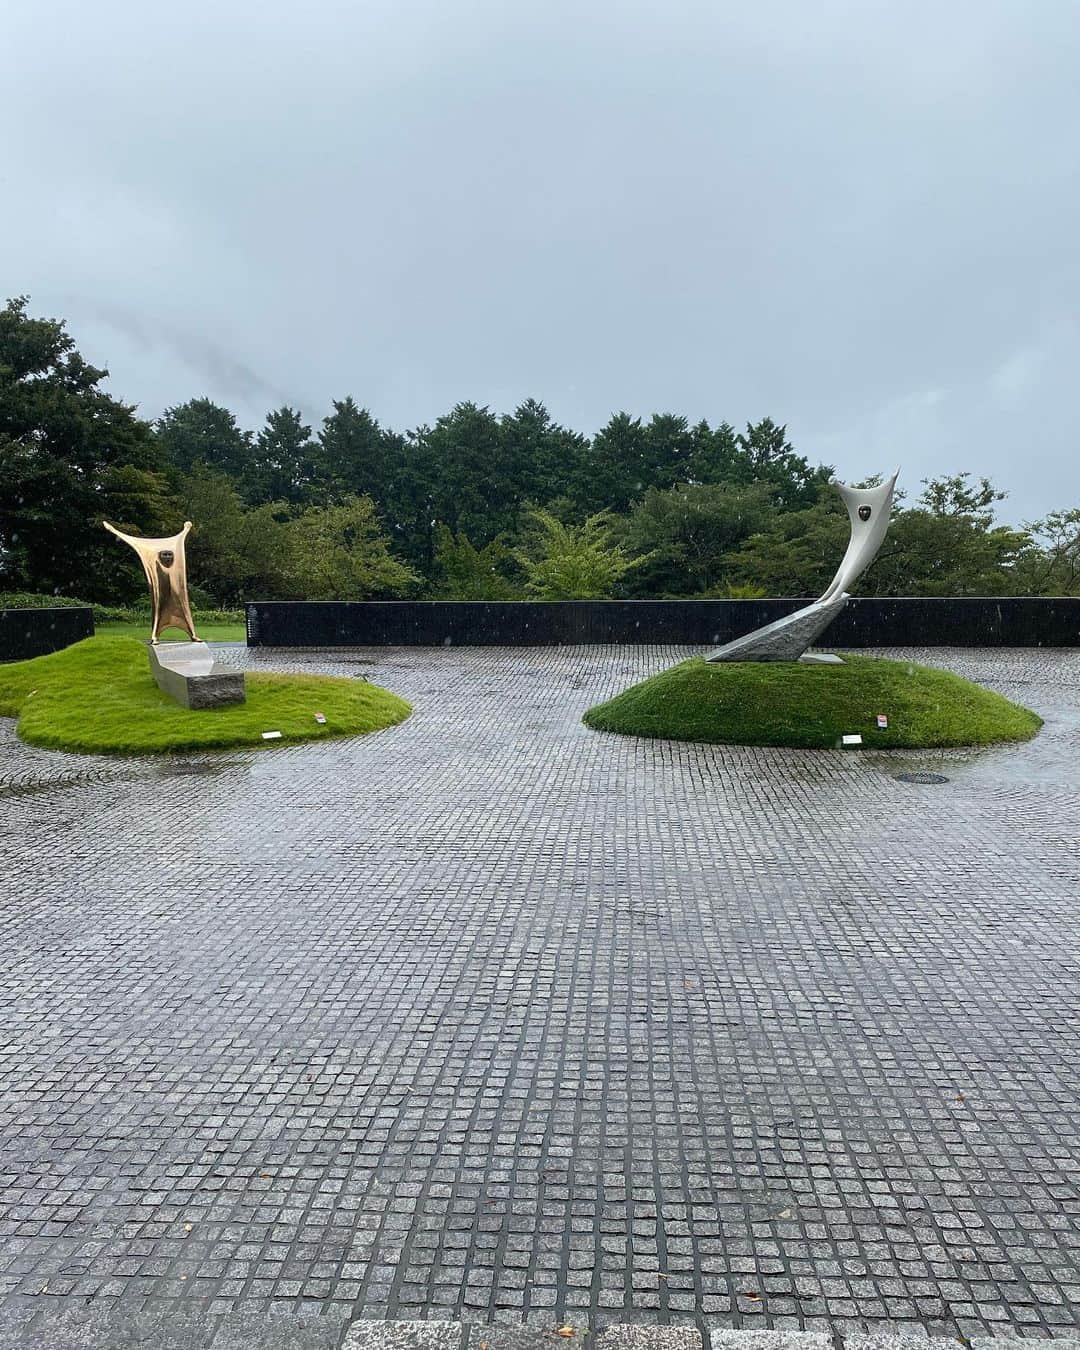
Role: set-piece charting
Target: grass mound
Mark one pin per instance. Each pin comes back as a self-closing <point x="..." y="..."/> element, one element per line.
<point x="208" y="630"/>
<point x="99" y="696"/>
<point x="807" y="706"/>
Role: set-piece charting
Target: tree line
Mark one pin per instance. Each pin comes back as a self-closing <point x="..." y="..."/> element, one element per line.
<point x="477" y="505"/>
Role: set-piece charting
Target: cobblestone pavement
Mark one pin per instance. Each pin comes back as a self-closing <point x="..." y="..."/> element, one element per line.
<point x="491" y="1018"/>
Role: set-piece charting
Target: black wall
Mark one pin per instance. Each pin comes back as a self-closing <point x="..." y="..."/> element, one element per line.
<point x="871" y="622"/>
<point x="34" y="632"/>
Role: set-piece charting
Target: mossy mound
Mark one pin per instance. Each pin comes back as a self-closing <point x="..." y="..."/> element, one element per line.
<point x="98" y="696"/>
<point x="812" y="707"/>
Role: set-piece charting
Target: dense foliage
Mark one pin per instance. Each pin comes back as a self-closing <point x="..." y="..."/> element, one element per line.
<point x="479" y="505"/>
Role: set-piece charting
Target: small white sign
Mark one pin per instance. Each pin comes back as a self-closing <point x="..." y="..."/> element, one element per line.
<point x="271" y="735"/>
<point x="851" y="740"/>
<point x="320" y="717"/>
<point x="882" y="721"/>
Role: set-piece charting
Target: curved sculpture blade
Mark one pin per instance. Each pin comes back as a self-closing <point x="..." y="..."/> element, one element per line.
<point x="786" y="639"/>
<point x="868" y="510"/>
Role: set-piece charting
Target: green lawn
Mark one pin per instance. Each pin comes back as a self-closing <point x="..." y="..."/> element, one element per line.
<point x="99" y="696"/>
<point x="785" y="703"/>
<point x="209" y="632"/>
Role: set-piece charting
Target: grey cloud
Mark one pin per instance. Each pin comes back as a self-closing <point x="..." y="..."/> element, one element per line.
<point x="221" y="375"/>
<point x="857" y="217"/>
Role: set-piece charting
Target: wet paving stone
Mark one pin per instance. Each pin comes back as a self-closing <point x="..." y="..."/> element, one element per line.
<point x="490" y="1018"/>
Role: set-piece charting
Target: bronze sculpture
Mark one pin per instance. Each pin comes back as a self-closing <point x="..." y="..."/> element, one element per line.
<point x="166" y="570"/>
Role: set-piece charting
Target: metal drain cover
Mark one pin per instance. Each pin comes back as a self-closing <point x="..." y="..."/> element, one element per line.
<point x="920" y="778"/>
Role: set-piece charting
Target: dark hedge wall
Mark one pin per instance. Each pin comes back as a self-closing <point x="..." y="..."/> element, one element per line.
<point x="871" y="622"/>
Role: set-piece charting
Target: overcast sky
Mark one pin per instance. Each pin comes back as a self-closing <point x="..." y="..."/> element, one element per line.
<point x="859" y="217"/>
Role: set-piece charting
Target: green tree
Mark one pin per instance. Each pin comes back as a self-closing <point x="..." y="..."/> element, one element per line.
<point x="282" y="467"/>
<point x="715" y="456"/>
<point x="688" y="530"/>
<point x="235" y="553"/>
<point x="737" y="590"/>
<point x="477" y="472"/>
<point x="957" y="495"/>
<point x="356" y="457"/>
<point x="465" y="572"/>
<point x="202" y="432"/>
<point x="340" y="552"/>
<point x="539" y="457"/>
<point x="949" y="544"/>
<point x="410" y="511"/>
<point x="463" y="454"/>
<point x="797" y="553"/>
<point x="669" y="451"/>
<point x="573" y="562"/>
<point x="768" y="456"/>
<point x="1052" y="565"/>
<point x="70" y="456"/>
<point x="629" y="457"/>
<point x="612" y="474"/>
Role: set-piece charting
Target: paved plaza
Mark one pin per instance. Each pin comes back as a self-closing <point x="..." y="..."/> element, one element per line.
<point x="489" y="1018"/>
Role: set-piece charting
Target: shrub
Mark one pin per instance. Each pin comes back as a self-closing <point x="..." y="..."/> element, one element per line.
<point x="108" y="613"/>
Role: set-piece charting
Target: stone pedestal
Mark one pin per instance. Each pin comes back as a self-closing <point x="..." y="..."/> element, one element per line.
<point x="188" y="673"/>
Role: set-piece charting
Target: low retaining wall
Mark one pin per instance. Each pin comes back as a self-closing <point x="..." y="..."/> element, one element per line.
<point x="35" y="632"/>
<point x="870" y="622"/>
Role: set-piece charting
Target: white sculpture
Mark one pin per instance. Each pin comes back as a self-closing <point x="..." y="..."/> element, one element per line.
<point x="788" y="638"/>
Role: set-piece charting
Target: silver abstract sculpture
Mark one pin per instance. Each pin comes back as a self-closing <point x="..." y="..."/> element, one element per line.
<point x="787" y="639"/>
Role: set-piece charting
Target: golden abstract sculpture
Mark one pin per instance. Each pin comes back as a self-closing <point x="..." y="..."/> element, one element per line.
<point x="166" y="571"/>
